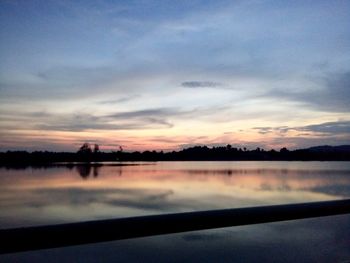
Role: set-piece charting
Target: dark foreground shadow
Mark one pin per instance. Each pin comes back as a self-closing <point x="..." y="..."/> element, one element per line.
<point x="21" y="239"/>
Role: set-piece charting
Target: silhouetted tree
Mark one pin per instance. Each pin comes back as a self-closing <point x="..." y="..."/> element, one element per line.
<point x="85" y="152"/>
<point x="85" y="149"/>
<point x="284" y="150"/>
<point x="96" y="148"/>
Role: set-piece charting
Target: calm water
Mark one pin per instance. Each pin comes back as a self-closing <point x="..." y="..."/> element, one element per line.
<point x="60" y="194"/>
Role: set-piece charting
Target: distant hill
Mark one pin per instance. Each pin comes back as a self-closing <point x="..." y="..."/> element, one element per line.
<point x="330" y="149"/>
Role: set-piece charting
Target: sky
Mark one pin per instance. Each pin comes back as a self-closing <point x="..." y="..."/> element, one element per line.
<point x="167" y="75"/>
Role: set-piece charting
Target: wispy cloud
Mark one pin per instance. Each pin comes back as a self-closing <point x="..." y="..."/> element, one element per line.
<point x="339" y="127"/>
<point x="326" y="128"/>
<point x="157" y="112"/>
<point x="120" y="100"/>
<point x="330" y="93"/>
<point x="201" y="84"/>
<point x="125" y="121"/>
<point x="266" y="130"/>
<point x="149" y="118"/>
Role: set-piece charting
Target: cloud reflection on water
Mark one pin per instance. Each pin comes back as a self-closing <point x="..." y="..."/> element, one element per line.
<point x="58" y="194"/>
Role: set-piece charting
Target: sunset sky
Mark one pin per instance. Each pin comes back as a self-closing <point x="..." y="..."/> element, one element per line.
<point x="166" y="75"/>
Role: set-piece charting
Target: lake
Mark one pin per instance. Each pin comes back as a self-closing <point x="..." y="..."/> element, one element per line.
<point x="62" y="194"/>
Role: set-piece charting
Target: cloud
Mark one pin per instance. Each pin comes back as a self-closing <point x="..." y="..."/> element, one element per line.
<point x="266" y="130"/>
<point x="326" y="128"/>
<point x="81" y="122"/>
<point x="327" y="133"/>
<point x="339" y="127"/>
<point x="120" y="100"/>
<point x="131" y="120"/>
<point x="160" y="115"/>
<point x="154" y="118"/>
<point x="147" y="124"/>
<point x="149" y="118"/>
<point x="331" y="93"/>
<point x="201" y="84"/>
<point x="157" y="112"/>
<point x="136" y="198"/>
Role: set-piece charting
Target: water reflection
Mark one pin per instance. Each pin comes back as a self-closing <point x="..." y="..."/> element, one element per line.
<point x="85" y="170"/>
<point x="84" y="192"/>
<point x="79" y="192"/>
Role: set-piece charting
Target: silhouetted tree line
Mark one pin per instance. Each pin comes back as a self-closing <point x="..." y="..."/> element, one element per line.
<point x="87" y="154"/>
<point x="229" y="153"/>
